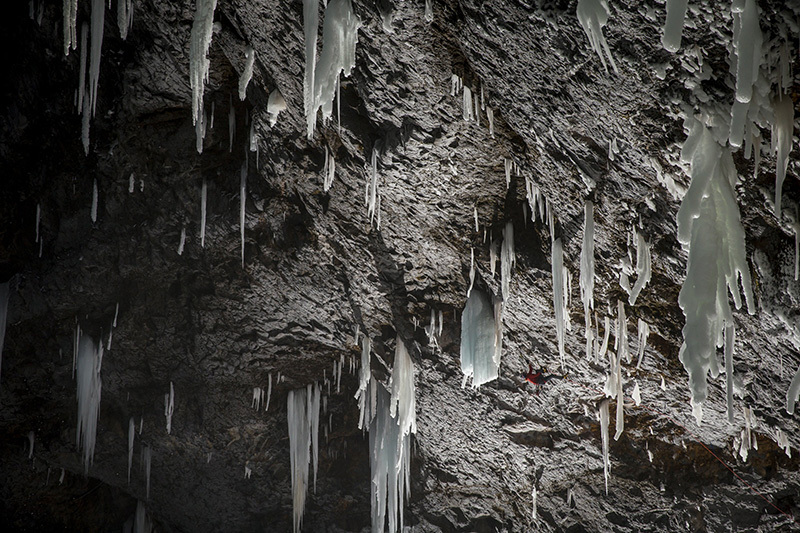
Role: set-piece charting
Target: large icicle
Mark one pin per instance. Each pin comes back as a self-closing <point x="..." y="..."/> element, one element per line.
<point x="202" y="31"/>
<point x="557" y="260"/>
<point x="587" y="273"/>
<point x="124" y="17"/>
<point x="4" y="293"/>
<point x="593" y="15"/>
<point x="479" y="355"/>
<point x="89" y="390"/>
<point x="310" y="28"/>
<point x="673" y="28"/>
<point x="339" y="38"/>
<point x="70" y="25"/>
<point x="507" y="259"/>
<point x="747" y="45"/>
<point x="642" y="267"/>
<point x="782" y="127"/>
<point x="247" y="72"/>
<point x="710" y="227"/>
<point x="302" y="415"/>
<point x="403" y="401"/>
<point x="98" y="20"/>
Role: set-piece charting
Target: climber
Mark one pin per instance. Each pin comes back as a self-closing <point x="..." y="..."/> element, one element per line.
<point x="539" y="378"/>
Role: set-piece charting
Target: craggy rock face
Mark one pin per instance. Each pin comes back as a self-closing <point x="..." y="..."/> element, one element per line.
<point x="315" y="270"/>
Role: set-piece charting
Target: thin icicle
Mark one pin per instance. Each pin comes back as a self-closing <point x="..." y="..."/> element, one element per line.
<point x="782" y="127"/>
<point x="82" y="70"/>
<point x="131" y="433"/>
<point x="557" y="260"/>
<point x="199" y="63"/>
<point x="231" y="125"/>
<point x="98" y="19"/>
<point x="604" y="438"/>
<point x="169" y="406"/>
<point x="242" y="186"/>
<point x="247" y="72"/>
<point x="182" y="242"/>
<point x="70" y="25"/>
<point x="644" y="333"/>
<point x="328" y="171"/>
<point x="93" y="213"/>
<point x="372" y="187"/>
<point x="507" y="259"/>
<point x="642" y="267"/>
<point x="203" y="199"/>
<point x="587" y="273"/>
<point x="310" y="29"/>
<point x="593" y="16"/>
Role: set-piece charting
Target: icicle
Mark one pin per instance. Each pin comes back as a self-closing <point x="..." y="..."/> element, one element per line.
<point x="372" y="186"/>
<point x="310" y="29"/>
<point x="365" y="414"/>
<point x="30" y="444"/>
<point x="247" y="72"/>
<point x="275" y="105"/>
<point x="467" y="104"/>
<point x="782" y="127"/>
<point x="557" y="260"/>
<point x="82" y="70"/>
<point x="242" y="185"/>
<point x="93" y="213"/>
<point x="428" y="10"/>
<point x="89" y="391"/>
<point x="507" y="259"/>
<point x="748" y="51"/>
<point x="98" y="18"/>
<point x="131" y="432"/>
<point x="593" y="15"/>
<point x="475" y="215"/>
<point x="231" y="125"/>
<point x="70" y="25"/>
<point x="328" y="171"/>
<point x="642" y="267"/>
<point x="490" y="119"/>
<point x="38" y="218"/>
<point x="199" y="63"/>
<point x="203" y="200"/>
<point x="604" y="437"/>
<point x="124" y="17"/>
<point x="730" y="336"/>
<point x="793" y="393"/>
<point x="269" y="392"/>
<point x="644" y="333"/>
<point x="303" y="420"/>
<point x="169" y="406"/>
<point x="478" y="340"/>
<point x="587" y="273"/>
<point x="676" y="12"/>
<point x="182" y="241"/>
<point x="636" y="395"/>
<point x="147" y="457"/>
<point x="534" y="515"/>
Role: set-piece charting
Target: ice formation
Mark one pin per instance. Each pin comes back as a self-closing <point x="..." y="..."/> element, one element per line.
<point x="480" y="354"/>
<point x="604" y="437"/>
<point x="124" y="17"/>
<point x="557" y="259"/>
<point x="89" y="359"/>
<point x="390" y="431"/>
<point x="747" y="45"/>
<point x="730" y="337"/>
<point x="587" y="273"/>
<point x="643" y="329"/>
<point x="616" y="368"/>
<point x="793" y="394"/>
<point x="371" y="194"/>
<point x="782" y="126"/>
<point x="242" y="187"/>
<point x="98" y="19"/>
<point x="169" y="406"/>
<point x="328" y="171"/>
<point x="642" y="267"/>
<point x="247" y="72"/>
<point x="4" y="293"/>
<point x="673" y="28"/>
<point x="783" y="442"/>
<point x="303" y="418"/>
<point x="593" y="16"/>
<point x="507" y="259"/>
<point x="93" y="212"/>
<point x="710" y="227"/>
<point x="131" y="433"/>
<point x="202" y="31"/>
<point x="182" y="242"/>
<point x="636" y="395"/>
<point x="339" y="38"/>
<point x="310" y="28"/>
<point x="275" y="105"/>
<point x="362" y="394"/>
<point x="147" y="456"/>
<point x="70" y="25"/>
<point x="203" y="202"/>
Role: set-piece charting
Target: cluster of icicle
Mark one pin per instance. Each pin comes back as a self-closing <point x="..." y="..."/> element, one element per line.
<point x="87" y="362"/>
<point x="302" y="414"/>
<point x="390" y="414"/>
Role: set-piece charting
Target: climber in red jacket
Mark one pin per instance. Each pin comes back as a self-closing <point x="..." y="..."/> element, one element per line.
<point x="538" y="378"/>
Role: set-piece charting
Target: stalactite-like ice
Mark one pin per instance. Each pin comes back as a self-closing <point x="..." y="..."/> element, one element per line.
<point x="328" y="171"/>
<point x="89" y="390"/>
<point x="131" y="433"/>
<point x="4" y="293"/>
<point x="673" y="28"/>
<point x="644" y="332"/>
<point x="182" y="242"/>
<point x="593" y="16"/>
<point x="362" y="394"/>
<point x="70" y="25"/>
<point x="480" y="357"/>
<point x="98" y="19"/>
<point x="124" y="17"/>
<point x="247" y="72"/>
<point x="642" y="267"/>
<point x="303" y="418"/>
<point x="203" y="200"/>
<point x="310" y="28"/>
<point x="782" y="126"/>
<point x="557" y="260"/>
<point x="199" y="63"/>
<point x="169" y="406"/>
<point x="604" y="438"/>
<point x="587" y="273"/>
<point x="507" y="259"/>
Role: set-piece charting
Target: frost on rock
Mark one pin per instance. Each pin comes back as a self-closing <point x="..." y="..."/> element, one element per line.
<point x="507" y="259"/>
<point x="275" y="105"/>
<point x="339" y="38"/>
<point x="673" y="28"/>
<point x="89" y="358"/>
<point x="480" y="354"/>
<point x="557" y="260"/>
<point x="642" y="267"/>
<point x="4" y="293"/>
<point x="709" y="226"/>
<point x="202" y="31"/>
<point x="782" y="127"/>
<point x="587" y="273"/>
<point x="593" y="15"/>
<point x="303" y="418"/>
<point x="247" y="72"/>
<point x="390" y="444"/>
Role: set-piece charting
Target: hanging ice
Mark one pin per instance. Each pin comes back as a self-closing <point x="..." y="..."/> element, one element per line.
<point x="339" y="38"/>
<point x="507" y="258"/>
<point x="623" y="352"/>
<point x="730" y="336"/>
<point x="557" y="259"/>
<point x="242" y="186"/>
<point x="593" y="15"/>
<point x="269" y="392"/>
<point x="4" y="293"/>
<point x="604" y="437"/>
<point x="636" y="395"/>
<point x="642" y="267"/>
<point x="782" y="126"/>
<point x="371" y="195"/>
<point x="247" y="72"/>
<point x="131" y="432"/>
<point x="364" y="382"/>
<point x="169" y="406"/>
<point x="709" y="226"/>
<point x="203" y="198"/>
<point x="124" y="17"/>
<point x="98" y="19"/>
<point x="70" y="25"/>
<point x="644" y="332"/>
<point x="182" y="242"/>
<point x="747" y="45"/>
<point x="303" y="419"/>
<point x="793" y="394"/>
<point x="89" y="360"/>
<point x="93" y="213"/>
<point x="82" y="69"/>
<point x="587" y="273"/>
<point x="202" y="31"/>
<point x="310" y="28"/>
<point x="673" y="28"/>
<point x="328" y="171"/>
<point x="480" y="354"/>
<point x="275" y="105"/>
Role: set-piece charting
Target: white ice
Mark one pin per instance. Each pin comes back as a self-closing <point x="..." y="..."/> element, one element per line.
<point x="199" y="63"/>
<point x="587" y="273"/>
<point x="479" y="354"/>
<point x="557" y="260"/>
<point x="673" y="28"/>
<point x="593" y="16"/>
<point x="247" y="72"/>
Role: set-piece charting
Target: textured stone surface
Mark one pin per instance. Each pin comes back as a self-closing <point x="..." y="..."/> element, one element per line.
<point x="315" y="269"/>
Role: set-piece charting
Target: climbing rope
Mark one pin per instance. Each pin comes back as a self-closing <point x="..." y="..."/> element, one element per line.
<point x="697" y="439"/>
